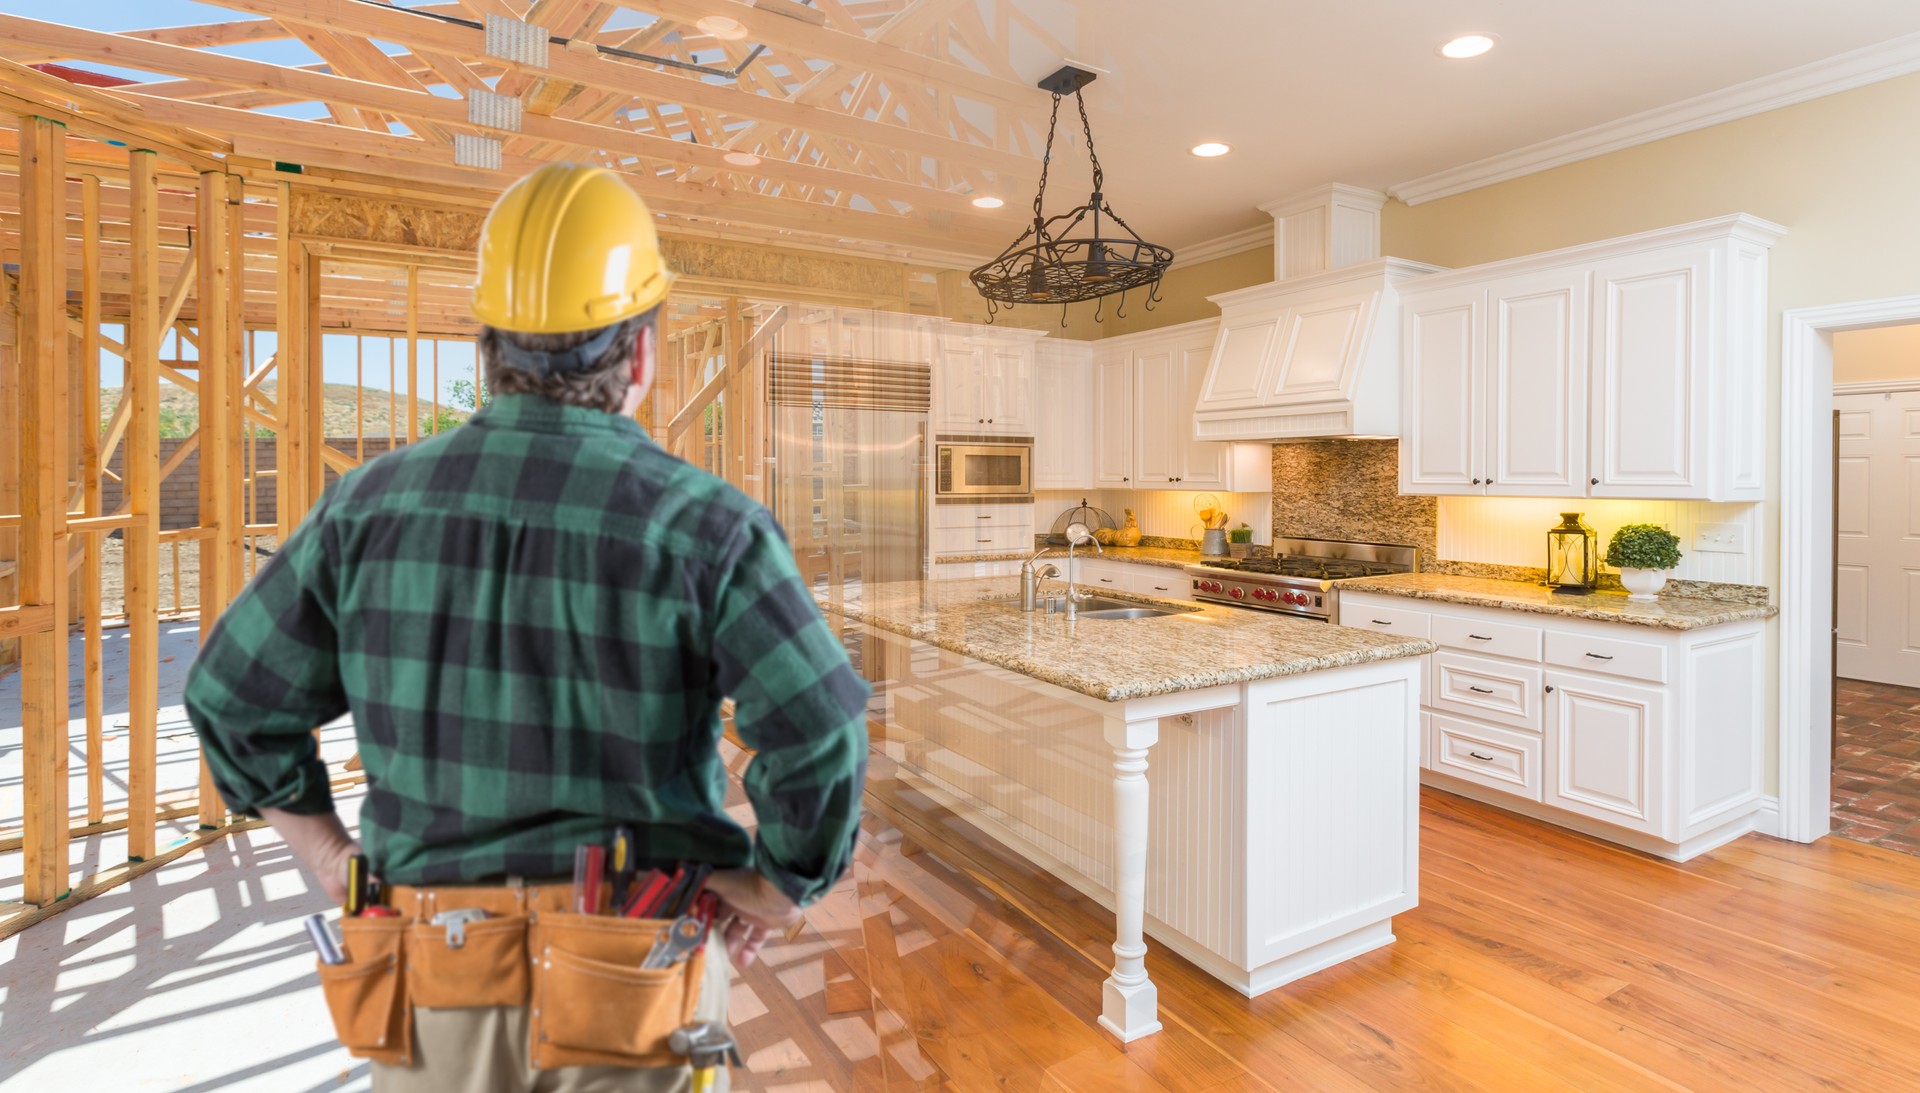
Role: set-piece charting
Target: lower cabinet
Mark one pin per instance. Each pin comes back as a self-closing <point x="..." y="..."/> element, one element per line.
<point x="1156" y="581"/>
<point x="1647" y="737"/>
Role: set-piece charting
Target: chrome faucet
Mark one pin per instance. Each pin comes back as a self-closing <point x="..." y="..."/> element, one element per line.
<point x="1077" y="534"/>
<point x="1031" y="577"/>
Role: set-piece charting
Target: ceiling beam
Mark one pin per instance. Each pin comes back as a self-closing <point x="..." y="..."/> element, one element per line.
<point x="637" y="80"/>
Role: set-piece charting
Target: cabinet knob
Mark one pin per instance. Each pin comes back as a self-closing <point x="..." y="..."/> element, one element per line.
<point x="1593" y="481"/>
<point x="1123" y="478"/>
<point x="1549" y="688"/>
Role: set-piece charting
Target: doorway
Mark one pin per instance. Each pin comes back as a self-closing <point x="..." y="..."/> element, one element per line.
<point x="1876" y="704"/>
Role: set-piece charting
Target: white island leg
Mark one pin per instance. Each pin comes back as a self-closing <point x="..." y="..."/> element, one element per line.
<point x="1130" y="1006"/>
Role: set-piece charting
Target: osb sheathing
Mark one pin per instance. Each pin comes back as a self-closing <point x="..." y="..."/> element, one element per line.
<point x="361" y="219"/>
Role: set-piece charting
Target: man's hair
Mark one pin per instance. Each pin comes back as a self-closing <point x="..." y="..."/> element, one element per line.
<point x="599" y="385"/>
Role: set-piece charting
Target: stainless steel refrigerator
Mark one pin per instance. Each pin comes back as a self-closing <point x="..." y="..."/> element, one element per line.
<point x="850" y="471"/>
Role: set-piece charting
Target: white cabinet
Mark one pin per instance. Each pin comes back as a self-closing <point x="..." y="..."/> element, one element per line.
<point x="1113" y="423"/>
<point x="1495" y="387"/>
<point x="1647" y="737"/>
<point x="1603" y="749"/>
<point x="1628" y="368"/>
<point x="1094" y="573"/>
<point x="1145" y="390"/>
<point x="983" y="381"/>
<point x="982" y="529"/>
<point x="1063" y="415"/>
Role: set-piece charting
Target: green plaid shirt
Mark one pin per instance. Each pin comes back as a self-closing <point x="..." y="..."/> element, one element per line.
<point x="533" y="619"/>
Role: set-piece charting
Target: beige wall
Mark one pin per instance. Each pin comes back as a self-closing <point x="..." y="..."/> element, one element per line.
<point x="1184" y="292"/>
<point x="1877" y="356"/>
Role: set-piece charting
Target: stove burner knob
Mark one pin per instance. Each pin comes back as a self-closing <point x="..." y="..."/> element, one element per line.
<point x="1296" y="598"/>
<point x="1269" y="594"/>
<point x="1218" y="587"/>
<point x="1237" y="593"/>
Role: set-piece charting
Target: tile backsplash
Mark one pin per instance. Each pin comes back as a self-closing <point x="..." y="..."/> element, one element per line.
<point x="1349" y="489"/>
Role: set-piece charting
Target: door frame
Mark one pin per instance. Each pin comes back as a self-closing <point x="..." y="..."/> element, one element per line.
<point x="1806" y="553"/>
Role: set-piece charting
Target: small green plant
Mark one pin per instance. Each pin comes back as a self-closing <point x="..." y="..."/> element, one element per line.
<point x="1241" y="534"/>
<point x="1643" y="546"/>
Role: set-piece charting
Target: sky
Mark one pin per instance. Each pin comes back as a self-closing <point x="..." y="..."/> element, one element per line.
<point x="340" y="355"/>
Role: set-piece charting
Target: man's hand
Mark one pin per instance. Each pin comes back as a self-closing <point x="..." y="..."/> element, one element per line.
<point x="757" y="910"/>
<point x="322" y="845"/>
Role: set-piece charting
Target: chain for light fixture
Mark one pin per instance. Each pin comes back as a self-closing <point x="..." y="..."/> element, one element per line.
<point x="1064" y="259"/>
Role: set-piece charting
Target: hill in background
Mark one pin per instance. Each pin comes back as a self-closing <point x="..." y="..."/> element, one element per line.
<point x="180" y="410"/>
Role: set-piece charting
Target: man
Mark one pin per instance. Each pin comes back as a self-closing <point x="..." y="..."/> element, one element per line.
<point x="533" y="619"/>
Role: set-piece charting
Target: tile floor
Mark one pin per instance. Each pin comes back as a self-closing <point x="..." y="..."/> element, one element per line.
<point x="1876" y="770"/>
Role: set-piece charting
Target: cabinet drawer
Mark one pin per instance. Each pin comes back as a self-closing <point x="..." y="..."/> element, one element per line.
<point x="1493" y="757"/>
<point x="966" y="516"/>
<point x="987" y="539"/>
<point x="1386" y="620"/>
<point x="1159" y="582"/>
<point x="1501" y="639"/>
<point x="1097" y="574"/>
<point x="1488" y="689"/>
<point x="1608" y="656"/>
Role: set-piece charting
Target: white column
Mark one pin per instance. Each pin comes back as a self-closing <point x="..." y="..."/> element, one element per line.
<point x="1130" y="1006"/>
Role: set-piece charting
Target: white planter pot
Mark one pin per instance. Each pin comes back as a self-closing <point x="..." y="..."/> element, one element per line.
<point x="1643" y="584"/>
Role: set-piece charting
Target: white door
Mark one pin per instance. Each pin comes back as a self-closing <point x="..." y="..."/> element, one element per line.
<point x="1442" y="450"/>
<point x="1536" y="376"/>
<point x="1009" y="390"/>
<point x="960" y="376"/>
<point x="1063" y="436"/>
<point x="1156" y="460"/>
<point x="1113" y="424"/>
<point x="1651" y="337"/>
<point x="1204" y="464"/>
<point x="1878" y="548"/>
<point x="1603" y="749"/>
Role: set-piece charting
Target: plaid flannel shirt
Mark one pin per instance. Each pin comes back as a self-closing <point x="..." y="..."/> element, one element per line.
<point x="533" y="619"/>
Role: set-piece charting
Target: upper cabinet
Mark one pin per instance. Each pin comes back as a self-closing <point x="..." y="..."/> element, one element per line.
<point x="1063" y="433"/>
<point x="1628" y="368"/>
<point x="983" y="380"/>
<point x="1145" y="389"/>
<point x="1309" y="356"/>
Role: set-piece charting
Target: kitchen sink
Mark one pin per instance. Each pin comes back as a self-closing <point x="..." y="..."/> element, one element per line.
<point x="1126" y="613"/>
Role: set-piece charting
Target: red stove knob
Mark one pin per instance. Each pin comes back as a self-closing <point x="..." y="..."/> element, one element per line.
<point x="1295" y="597"/>
<point x="1237" y="593"/>
<point x="1268" y="594"/>
<point x="1214" y="586"/>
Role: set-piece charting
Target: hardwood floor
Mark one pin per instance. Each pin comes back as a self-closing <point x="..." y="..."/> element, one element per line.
<point x="1537" y="960"/>
<point x="1876" y="768"/>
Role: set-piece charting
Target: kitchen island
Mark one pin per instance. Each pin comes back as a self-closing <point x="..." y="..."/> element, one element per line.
<point x="1285" y="757"/>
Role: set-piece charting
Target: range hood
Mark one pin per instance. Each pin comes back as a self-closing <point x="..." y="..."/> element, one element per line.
<point x="1316" y="352"/>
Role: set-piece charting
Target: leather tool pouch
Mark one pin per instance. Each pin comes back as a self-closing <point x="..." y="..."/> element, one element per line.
<point x="593" y="1005"/>
<point x="477" y="963"/>
<point x="367" y="995"/>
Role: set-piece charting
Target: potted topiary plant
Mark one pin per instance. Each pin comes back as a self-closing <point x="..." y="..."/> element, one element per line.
<point x="1645" y="555"/>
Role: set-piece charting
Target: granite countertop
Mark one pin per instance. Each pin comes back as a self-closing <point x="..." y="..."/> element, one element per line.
<point x="1166" y="557"/>
<point x="1113" y="659"/>
<point x="1665" y="612"/>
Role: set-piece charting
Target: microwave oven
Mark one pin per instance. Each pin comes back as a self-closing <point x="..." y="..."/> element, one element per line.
<point x="996" y="470"/>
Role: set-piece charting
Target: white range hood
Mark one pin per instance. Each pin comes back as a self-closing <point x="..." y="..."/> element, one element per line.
<point x="1315" y="353"/>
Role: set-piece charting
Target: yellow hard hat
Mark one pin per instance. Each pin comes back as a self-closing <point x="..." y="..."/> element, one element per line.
<point x="570" y="247"/>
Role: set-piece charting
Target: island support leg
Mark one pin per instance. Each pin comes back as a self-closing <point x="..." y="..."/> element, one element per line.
<point x="1130" y="1006"/>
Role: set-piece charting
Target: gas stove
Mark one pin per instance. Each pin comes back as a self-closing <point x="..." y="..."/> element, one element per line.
<point x="1300" y="578"/>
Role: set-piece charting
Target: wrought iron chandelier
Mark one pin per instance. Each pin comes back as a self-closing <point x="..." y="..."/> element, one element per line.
<point x="1065" y="259"/>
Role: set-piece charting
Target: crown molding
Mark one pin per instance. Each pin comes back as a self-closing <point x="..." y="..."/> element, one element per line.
<point x="1877" y="387"/>
<point x="1842" y="72"/>
<point x="1260" y="235"/>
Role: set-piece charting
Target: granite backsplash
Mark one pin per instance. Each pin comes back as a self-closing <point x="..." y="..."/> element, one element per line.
<point x="1350" y="489"/>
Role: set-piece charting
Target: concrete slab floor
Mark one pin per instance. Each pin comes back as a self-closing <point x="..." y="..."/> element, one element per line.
<point x="195" y="977"/>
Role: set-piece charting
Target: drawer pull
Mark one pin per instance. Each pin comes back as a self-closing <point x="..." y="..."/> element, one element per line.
<point x="1599" y="656"/>
<point x="1106" y="580"/>
<point x="1481" y="690"/>
<point x="1381" y="622"/>
<point x="1480" y="637"/>
<point x="1161" y="588"/>
<point x="1482" y="758"/>
<point x="988" y="516"/>
<point x="983" y="540"/>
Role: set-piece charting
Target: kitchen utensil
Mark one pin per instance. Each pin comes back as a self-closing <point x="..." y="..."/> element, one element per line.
<point x="1207" y="507"/>
<point x="1095" y="519"/>
<point x="1213" y="543"/>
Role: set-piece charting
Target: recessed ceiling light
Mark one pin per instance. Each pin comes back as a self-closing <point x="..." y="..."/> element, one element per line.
<point x="1467" y="45"/>
<point x="1211" y="149"/>
<point x="987" y="201"/>
<point x="722" y="26"/>
<point x="742" y="159"/>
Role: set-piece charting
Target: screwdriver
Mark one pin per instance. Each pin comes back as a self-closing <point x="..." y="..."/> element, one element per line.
<point x="356" y="884"/>
<point x="623" y="866"/>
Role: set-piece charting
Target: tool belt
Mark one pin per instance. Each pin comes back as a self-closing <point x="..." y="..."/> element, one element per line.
<point x="590" y="1003"/>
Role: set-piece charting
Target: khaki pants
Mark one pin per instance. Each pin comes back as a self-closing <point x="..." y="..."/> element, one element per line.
<point x="485" y="1051"/>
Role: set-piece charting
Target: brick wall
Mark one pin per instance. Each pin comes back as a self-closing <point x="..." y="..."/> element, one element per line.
<point x="180" y="492"/>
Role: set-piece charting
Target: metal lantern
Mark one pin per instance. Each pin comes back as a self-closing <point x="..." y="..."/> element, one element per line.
<point x="1065" y="259"/>
<point x="1573" y="555"/>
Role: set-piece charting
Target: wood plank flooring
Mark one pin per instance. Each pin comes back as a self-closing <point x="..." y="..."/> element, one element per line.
<point x="1538" y="959"/>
